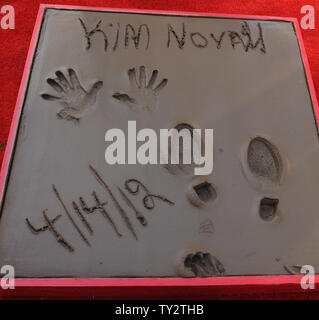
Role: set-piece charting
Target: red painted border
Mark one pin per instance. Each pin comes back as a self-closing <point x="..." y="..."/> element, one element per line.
<point x="19" y="104"/>
<point x="158" y="288"/>
<point x="146" y="288"/>
<point x="307" y="70"/>
<point x="179" y="13"/>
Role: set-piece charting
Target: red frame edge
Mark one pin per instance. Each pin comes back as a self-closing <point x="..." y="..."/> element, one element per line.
<point x="241" y="287"/>
<point x="245" y="287"/>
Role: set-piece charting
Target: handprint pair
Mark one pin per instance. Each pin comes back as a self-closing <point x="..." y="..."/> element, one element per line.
<point x="76" y="101"/>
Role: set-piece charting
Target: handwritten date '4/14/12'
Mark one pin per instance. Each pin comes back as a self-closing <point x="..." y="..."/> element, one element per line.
<point x="83" y="209"/>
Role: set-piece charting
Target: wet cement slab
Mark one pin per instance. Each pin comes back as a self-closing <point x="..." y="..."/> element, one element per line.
<point x="66" y="212"/>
